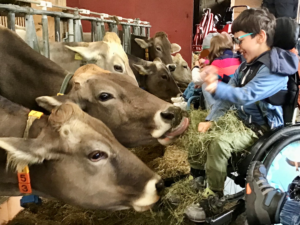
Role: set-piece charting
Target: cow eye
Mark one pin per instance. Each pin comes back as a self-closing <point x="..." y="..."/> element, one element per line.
<point x="158" y="49"/>
<point x="185" y="67"/>
<point x="103" y="97"/>
<point x="165" y="77"/>
<point x="118" y="68"/>
<point x="96" y="156"/>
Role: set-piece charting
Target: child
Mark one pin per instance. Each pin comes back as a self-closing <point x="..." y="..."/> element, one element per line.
<point x="253" y="35"/>
<point x="221" y="56"/>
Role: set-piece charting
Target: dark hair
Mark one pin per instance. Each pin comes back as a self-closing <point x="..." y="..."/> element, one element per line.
<point x="255" y="20"/>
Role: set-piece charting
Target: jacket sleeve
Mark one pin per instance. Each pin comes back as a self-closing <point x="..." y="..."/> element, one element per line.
<point x="221" y="107"/>
<point x="262" y="86"/>
<point x="197" y="76"/>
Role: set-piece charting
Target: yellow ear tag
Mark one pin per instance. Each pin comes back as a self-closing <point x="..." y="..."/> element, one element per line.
<point x="78" y="56"/>
<point x="142" y="73"/>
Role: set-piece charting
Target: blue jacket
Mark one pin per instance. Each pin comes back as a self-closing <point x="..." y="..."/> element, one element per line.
<point x="272" y="77"/>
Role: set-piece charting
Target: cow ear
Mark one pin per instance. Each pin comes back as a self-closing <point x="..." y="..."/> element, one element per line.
<point x="50" y="102"/>
<point x="175" y="48"/>
<point x="85" y="52"/>
<point x="22" y="152"/>
<point x="171" y="67"/>
<point x="143" y="70"/>
<point x="143" y="43"/>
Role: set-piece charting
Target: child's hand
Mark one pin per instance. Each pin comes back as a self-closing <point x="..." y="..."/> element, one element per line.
<point x="201" y="62"/>
<point x="204" y="126"/>
<point x="211" y="78"/>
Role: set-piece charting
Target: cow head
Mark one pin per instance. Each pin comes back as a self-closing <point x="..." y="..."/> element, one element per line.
<point x="182" y="73"/>
<point x="75" y="158"/>
<point x="159" y="80"/>
<point x="107" y="54"/>
<point x="135" y="116"/>
<point x="159" y="47"/>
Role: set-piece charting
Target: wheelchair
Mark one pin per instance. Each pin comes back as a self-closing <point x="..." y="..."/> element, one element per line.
<point x="279" y="149"/>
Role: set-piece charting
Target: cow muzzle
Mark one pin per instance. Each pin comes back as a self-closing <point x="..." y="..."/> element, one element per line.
<point x="170" y="124"/>
<point x="150" y="196"/>
<point x="179" y="123"/>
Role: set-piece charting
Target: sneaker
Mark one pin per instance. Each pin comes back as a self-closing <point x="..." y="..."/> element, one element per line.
<point x="263" y="202"/>
<point x="197" y="184"/>
<point x="177" y="99"/>
<point x="181" y="105"/>
<point x="210" y="205"/>
<point x="195" y="213"/>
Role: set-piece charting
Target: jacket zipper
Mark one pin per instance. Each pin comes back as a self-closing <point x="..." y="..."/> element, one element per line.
<point x="244" y="78"/>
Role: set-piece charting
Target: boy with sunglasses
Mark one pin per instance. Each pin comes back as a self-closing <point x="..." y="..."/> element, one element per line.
<point x="246" y="92"/>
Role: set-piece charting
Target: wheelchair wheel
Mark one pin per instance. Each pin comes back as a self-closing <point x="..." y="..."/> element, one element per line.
<point x="282" y="162"/>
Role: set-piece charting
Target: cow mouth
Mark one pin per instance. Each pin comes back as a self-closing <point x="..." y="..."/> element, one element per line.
<point x="175" y="132"/>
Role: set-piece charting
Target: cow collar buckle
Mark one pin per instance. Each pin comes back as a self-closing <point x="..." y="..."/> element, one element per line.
<point x="23" y="174"/>
<point x="147" y="54"/>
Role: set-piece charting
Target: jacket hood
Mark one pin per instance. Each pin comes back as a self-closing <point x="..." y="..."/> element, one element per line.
<point x="279" y="61"/>
<point x="283" y="62"/>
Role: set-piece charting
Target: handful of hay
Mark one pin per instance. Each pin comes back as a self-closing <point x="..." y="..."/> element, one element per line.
<point x="197" y="143"/>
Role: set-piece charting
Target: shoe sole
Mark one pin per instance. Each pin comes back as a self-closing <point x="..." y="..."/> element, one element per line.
<point x="250" y="200"/>
<point x="254" y="201"/>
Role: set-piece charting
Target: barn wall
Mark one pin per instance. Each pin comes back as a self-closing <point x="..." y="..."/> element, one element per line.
<point x="250" y="3"/>
<point x="173" y="17"/>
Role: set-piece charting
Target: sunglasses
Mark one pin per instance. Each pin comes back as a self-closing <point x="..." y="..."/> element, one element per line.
<point x="237" y="40"/>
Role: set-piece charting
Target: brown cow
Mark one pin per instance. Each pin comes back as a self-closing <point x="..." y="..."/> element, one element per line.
<point x="108" y="54"/>
<point x="74" y="158"/>
<point x="159" y="47"/>
<point x="155" y="77"/>
<point x="134" y="116"/>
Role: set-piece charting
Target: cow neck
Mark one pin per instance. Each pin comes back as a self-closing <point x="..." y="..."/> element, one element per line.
<point x="10" y="185"/>
<point x="23" y="174"/>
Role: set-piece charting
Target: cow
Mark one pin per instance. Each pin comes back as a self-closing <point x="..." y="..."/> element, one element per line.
<point x="107" y="54"/>
<point x="135" y="117"/>
<point x="158" y="46"/>
<point x="182" y="73"/>
<point x="155" y="77"/>
<point x="72" y="157"/>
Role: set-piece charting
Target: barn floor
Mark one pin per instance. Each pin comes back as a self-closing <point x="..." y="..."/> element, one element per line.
<point x="56" y="213"/>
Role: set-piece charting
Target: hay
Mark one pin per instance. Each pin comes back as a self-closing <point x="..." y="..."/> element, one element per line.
<point x="174" y="163"/>
<point x="197" y="144"/>
<point x="186" y="195"/>
<point x="147" y="154"/>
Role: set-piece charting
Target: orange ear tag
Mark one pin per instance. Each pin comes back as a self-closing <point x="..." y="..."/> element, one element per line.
<point x="24" y="181"/>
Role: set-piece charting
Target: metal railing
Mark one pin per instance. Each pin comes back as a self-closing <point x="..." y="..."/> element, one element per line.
<point x="74" y="32"/>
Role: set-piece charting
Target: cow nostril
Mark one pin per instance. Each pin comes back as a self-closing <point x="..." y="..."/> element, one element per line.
<point x="167" y="115"/>
<point x="160" y="186"/>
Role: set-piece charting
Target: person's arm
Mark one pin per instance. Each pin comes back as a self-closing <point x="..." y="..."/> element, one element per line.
<point x="197" y="76"/>
<point x="262" y="86"/>
<point x="221" y="107"/>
